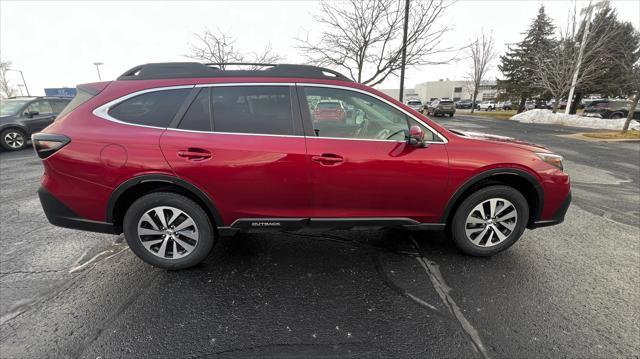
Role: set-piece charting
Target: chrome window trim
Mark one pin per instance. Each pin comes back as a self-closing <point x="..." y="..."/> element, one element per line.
<point x="233" y="133"/>
<point x="444" y="139"/>
<point x="227" y="84"/>
<point x="103" y="110"/>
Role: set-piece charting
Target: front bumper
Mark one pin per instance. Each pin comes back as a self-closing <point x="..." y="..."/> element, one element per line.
<point x="557" y="218"/>
<point x="60" y="215"/>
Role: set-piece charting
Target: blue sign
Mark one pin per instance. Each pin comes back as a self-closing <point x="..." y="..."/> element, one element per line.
<point x="61" y="92"/>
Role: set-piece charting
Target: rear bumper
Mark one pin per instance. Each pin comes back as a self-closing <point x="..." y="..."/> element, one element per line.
<point x="557" y="218"/>
<point x="60" y="215"/>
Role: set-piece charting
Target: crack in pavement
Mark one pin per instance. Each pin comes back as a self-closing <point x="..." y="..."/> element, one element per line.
<point x="99" y="329"/>
<point x="31" y="272"/>
<point x="441" y="287"/>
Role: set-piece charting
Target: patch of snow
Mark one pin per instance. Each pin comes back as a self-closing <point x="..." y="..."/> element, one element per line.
<point x="548" y="117"/>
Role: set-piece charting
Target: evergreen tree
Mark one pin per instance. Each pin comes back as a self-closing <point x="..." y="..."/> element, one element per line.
<point x="518" y="65"/>
<point x="615" y="59"/>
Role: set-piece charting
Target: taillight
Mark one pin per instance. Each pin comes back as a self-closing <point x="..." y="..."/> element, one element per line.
<point x="47" y="144"/>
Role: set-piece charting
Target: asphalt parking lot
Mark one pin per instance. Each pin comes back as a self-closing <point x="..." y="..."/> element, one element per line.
<point x="565" y="291"/>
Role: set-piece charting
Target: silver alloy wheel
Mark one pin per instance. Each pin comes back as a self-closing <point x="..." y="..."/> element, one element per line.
<point x="14" y="139"/>
<point x="168" y="232"/>
<point x="491" y="222"/>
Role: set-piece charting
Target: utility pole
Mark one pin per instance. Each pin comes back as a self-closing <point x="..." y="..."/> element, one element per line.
<point x="404" y="48"/>
<point x="23" y="81"/>
<point x="98" y="69"/>
<point x="585" y="35"/>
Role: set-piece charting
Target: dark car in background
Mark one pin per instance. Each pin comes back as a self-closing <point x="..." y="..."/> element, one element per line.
<point x="612" y="109"/>
<point x="464" y="104"/>
<point x="441" y="107"/>
<point x="22" y="116"/>
<point x="561" y="106"/>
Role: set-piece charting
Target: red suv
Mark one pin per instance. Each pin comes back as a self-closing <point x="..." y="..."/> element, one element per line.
<point x="176" y="155"/>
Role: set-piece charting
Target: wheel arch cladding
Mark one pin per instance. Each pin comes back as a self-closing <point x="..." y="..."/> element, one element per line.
<point x="522" y="181"/>
<point x="129" y="191"/>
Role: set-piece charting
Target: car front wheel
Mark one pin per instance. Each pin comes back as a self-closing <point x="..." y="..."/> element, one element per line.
<point x="13" y="139"/>
<point x="490" y="220"/>
<point x="168" y="230"/>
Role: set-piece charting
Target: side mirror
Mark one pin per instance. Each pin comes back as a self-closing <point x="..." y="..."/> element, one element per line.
<point x="416" y="137"/>
<point x="30" y="114"/>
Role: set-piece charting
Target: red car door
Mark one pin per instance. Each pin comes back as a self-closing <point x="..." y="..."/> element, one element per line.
<point x="365" y="168"/>
<point x="248" y="154"/>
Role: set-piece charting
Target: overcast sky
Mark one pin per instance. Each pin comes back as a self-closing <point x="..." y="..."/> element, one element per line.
<point x="55" y="42"/>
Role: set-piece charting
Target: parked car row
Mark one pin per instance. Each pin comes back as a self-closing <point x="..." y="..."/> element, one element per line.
<point x="20" y="117"/>
<point x="610" y="109"/>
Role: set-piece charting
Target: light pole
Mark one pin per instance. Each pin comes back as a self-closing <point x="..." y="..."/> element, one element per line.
<point x="98" y="64"/>
<point x="404" y="48"/>
<point x="585" y="35"/>
<point x="23" y="81"/>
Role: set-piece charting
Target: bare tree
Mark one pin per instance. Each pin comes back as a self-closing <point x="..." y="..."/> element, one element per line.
<point x="364" y="38"/>
<point x="481" y="52"/>
<point x="6" y="89"/>
<point x="220" y="48"/>
<point x="557" y="68"/>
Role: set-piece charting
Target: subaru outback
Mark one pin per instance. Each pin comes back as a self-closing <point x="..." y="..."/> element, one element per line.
<point x="177" y="155"/>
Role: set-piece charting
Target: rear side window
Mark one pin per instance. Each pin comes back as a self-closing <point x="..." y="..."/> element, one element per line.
<point x="155" y="108"/>
<point x="58" y="105"/>
<point x="198" y="116"/>
<point x="252" y="109"/>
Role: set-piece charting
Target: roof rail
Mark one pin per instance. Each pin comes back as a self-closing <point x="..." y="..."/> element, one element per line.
<point x="171" y="70"/>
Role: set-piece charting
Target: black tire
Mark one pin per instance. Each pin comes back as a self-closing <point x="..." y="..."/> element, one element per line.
<point x="205" y="233"/>
<point x="617" y="116"/>
<point x="458" y="224"/>
<point x="13" y="139"/>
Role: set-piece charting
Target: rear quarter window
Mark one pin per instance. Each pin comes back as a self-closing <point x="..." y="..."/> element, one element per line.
<point x="80" y="98"/>
<point x="155" y="108"/>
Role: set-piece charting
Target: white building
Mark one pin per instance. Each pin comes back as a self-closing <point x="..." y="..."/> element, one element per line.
<point x="455" y="90"/>
<point x="409" y="94"/>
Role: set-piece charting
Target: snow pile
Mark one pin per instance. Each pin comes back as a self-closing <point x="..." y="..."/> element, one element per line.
<point x="547" y="117"/>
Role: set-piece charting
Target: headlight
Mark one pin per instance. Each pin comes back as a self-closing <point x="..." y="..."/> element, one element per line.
<point x="550" y="158"/>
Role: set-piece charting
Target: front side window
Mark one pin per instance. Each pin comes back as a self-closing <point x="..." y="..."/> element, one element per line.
<point x="40" y="108"/>
<point x="11" y="107"/>
<point x="155" y="108"/>
<point x="358" y="116"/>
<point x="252" y="109"/>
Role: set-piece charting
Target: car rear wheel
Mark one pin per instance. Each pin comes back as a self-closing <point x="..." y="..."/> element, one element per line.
<point x="616" y="116"/>
<point x="489" y="221"/>
<point x="168" y="230"/>
<point x="13" y="139"/>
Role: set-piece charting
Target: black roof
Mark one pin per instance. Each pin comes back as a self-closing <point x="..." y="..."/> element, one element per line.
<point x="172" y="70"/>
<point x="38" y="98"/>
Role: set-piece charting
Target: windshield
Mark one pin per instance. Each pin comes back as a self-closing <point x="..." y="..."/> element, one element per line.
<point x="415" y="103"/>
<point x="11" y="107"/>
